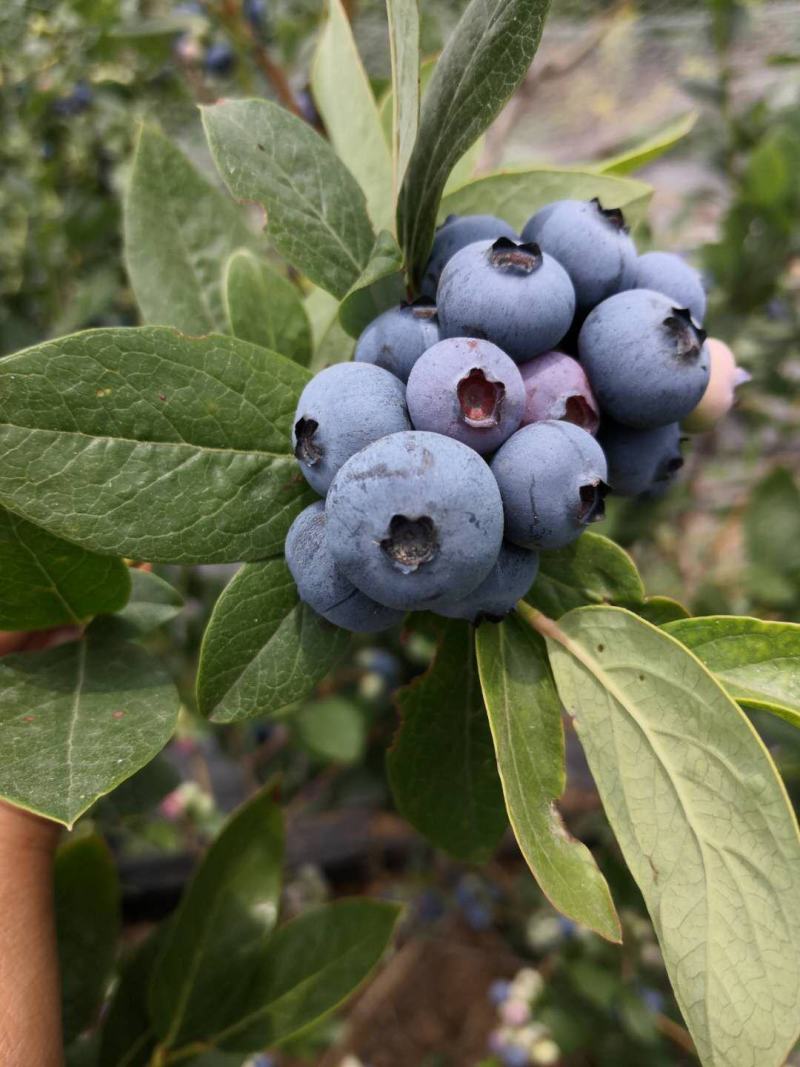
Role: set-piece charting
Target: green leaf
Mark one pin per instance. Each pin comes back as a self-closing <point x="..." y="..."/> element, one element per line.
<point x="757" y="662"/>
<point x="650" y="148"/>
<point x="486" y="58"/>
<point x="345" y="101"/>
<point x="127" y="1037"/>
<point x="661" y="609"/>
<point x="310" y="966"/>
<point x="152" y="603"/>
<point x="46" y="582"/>
<point x="592" y="570"/>
<point x="149" y="444"/>
<point x="178" y="231"/>
<point x="403" y="16"/>
<point x="381" y="286"/>
<point x="331" y="343"/>
<point x="518" y="193"/>
<point x="317" y="213"/>
<point x="441" y="766"/>
<point x="87" y="927"/>
<point x="76" y="721"/>
<point x="525" y="718"/>
<point x="332" y="729"/>
<point x="772" y="537"/>
<point x="219" y="932"/>
<point x="263" y="650"/>
<point x="265" y="308"/>
<point x="703" y="821"/>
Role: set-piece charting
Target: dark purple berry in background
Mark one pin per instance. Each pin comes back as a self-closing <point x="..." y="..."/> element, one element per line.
<point x="641" y="461"/>
<point x="77" y="101"/>
<point x="591" y="242"/>
<point x="220" y="59"/>
<point x="467" y="389"/>
<point x="512" y="294"/>
<point x="666" y="273"/>
<point x="646" y="359"/>
<point x="255" y="11"/>
<point x="556" y="387"/>
<point x="552" y="478"/>
<point x="396" y="339"/>
<point x="455" y="233"/>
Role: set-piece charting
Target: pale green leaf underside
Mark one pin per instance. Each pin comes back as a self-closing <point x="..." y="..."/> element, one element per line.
<point x="592" y="570"/>
<point x="316" y="211"/>
<point x="516" y="194"/>
<point x="757" y="662"/>
<point x="525" y="718"/>
<point x="47" y="582"/>
<point x="153" y="445"/>
<point x="263" y="650"/>
<point x="346" y="103"/>
<point x="403" y="17"/>
<point x="77" y="720"/>
<point x="661" y="609"/>
<point x="179" y="229"/>
<point x="649" y="148"/>
<point x="331" y="343"/>
<point x="704" y="824"/>
<point x="381" y="286"/>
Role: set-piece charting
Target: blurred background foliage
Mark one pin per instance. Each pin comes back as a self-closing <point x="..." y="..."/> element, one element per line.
<point x="76" y="79"/>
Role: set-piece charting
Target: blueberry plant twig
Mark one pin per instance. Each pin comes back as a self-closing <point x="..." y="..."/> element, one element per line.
<point x="230" y="13"/>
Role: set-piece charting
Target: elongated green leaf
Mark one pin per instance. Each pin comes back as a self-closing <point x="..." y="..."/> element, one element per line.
<point x="265" y="308"/>
<point x="316" y="211"/>
<point x="219" y="933"/>
<point x="153" y="445"/>
<point x="152" y="603"/>
<point x="403" y="18"/>
<point x="516" y="194"/>
<point x="592" y="570"/>
<point x="345" y="101"/>
<point x="127" y="1038"/>
<point x="178" y="231"/>
<point x="381" y="286"/>
<point x="77" y="720"/>
<point x="87" y="927"/>
<point x="486" y="58"/>
<point x="310" y="966"/>
<point x="47" y="582"/>
<point x="650" y="148"/>
<point x="331" y="343"/>
<point x="263" y="650"/>
<point x="441" y="766"/>
<point x="525" y="718"/>
<point x="704" y="823"/>
<point x="772" y="536"/>
<point x="661" y="609"/>
<point x="757" y="662"/>
<point x="332" y="729"/>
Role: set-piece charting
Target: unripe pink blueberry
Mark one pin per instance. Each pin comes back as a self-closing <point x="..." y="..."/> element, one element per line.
<point x="556" y="387"/>
<point x="720" y="394"/>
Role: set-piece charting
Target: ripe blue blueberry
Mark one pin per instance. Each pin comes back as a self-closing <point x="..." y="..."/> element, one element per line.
<point x="513" y="295"/>
<point x="322" y="585"/>
<point x="667" y="273"/>
<point x="591" y="243"/>
<point x="641" y="461"/>
<point x="220" y="58"/>
<point x="508" y="581"/>
<point x="556" y="387"/>
<point x="646" y="359"/>
<point x="413" y="518"/>
<point x="342" y="409"/>
<point x="467" y="389"/>
<point x="552" y="478"/>
<point x="398" y="337"/>
<point x="455" y="233"/>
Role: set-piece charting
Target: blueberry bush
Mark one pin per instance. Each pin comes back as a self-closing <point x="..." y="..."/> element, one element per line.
<point x="514" y="360"/>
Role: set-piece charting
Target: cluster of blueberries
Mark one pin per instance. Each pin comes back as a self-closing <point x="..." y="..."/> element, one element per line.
<point x="486" y="420"/>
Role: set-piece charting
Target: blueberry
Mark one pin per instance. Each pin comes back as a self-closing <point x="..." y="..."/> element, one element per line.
<point x="322" y="585"/>
<point x="552" y="478"/>
<point x="499" y="991"/>
<point x="666" y="273"/>
<point x="467" y="389"/>
<point x="455" y="233"/>
<point x="413" y="518"/>
<point x="398" y="337"/>
<point x="645" y="358"/>
<point x="591" y="243"/>
<point x="342" y="409"/>
<point x="720" y="394"/>
<point x="255" y="12"/>
<point x="220" y="58"/>
<point x="77" y="101"/>
<point x="556" y="387"/>
<point x="514" y="1056"/>
<point x="513" y="295"/>
<point x="641" y="461"/>
<point x="508" y="581"/>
